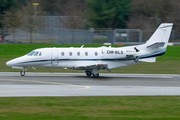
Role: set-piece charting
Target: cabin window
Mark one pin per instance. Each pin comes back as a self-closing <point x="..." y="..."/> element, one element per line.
<point x="40" y="54"/>
<point x="96" y="53"/>
<point x="86" y="53"/>
<point x="62" y="53"/>
<point x="70" y="53"/>
<point x="36" y="53"/>
<point x="31" y="53"/>
<point x="78" y="53"/>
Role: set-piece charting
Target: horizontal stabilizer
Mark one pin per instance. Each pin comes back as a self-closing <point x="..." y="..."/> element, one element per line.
<point x="153" y="59"/>
<point x="156" y="45"/>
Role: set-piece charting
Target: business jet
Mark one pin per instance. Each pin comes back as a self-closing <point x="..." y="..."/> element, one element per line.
<point x="93" y="59"/>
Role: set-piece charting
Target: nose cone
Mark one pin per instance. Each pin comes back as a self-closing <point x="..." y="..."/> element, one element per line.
<point x="15" y="62"/>
<point x="10" y="63"/>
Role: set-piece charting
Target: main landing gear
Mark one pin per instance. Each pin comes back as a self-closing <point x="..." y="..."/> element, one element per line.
<point x="96" y="75"/>
<point x="89" y="73"/>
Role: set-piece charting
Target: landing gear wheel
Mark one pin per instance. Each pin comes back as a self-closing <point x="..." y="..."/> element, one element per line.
<point x="22" y="73"/>
<point x="95" y="75"/>
<point x="88" y="73"/>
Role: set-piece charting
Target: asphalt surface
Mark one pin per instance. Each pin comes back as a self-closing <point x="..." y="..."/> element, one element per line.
<point x="78" y="84"/>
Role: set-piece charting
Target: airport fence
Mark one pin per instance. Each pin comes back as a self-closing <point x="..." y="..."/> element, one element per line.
<point x="55" y="32"/>
<point x="74" y="36"/>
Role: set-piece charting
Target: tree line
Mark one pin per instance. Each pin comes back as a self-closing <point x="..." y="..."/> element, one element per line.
<point x="85" y="14"/>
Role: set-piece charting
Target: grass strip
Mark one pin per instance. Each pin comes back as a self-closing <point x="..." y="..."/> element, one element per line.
<point x="87" y="108"/>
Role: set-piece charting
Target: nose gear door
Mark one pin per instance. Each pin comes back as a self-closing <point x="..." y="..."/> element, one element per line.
<point x="54" y="58"/>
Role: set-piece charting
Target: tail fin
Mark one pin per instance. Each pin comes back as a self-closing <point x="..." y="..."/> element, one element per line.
<point x="157" y="44"/>
<point x="160" y="37"/>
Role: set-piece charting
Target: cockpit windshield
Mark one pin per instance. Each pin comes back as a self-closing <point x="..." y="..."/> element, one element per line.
<point x="31" y="53"/>
<point x="34" y="53"/>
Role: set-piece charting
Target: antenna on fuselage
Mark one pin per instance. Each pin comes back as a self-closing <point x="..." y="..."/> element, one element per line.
<point x="82" y="46"/>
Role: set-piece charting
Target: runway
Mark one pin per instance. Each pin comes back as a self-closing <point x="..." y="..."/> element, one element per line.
<point x="78" y="84"/>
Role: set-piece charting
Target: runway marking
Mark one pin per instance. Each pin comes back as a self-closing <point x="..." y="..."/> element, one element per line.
<point x="83" y="87"/>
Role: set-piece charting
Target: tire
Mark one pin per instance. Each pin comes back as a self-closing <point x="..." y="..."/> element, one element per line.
<point x="22" y="73"/>
<point x="95" y="75"/>
<point x="88" y="73"/>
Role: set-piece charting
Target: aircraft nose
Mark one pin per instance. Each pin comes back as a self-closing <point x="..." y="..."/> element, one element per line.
<point x="10" y="63"/>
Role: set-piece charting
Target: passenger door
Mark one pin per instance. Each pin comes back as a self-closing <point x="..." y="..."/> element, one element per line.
<point x="54" y="58"/>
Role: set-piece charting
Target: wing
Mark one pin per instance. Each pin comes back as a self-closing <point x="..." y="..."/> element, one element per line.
<point x="92" y="66"/>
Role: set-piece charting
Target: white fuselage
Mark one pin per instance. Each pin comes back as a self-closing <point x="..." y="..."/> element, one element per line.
<point x="72" y="57"/>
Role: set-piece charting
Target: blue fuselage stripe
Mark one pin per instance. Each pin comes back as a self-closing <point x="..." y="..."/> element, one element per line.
<point x="121" y="59"/>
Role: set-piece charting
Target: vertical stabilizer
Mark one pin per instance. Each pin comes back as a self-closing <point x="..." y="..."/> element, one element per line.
<point x="160" y="37"/>
<point x="156" y="45"/>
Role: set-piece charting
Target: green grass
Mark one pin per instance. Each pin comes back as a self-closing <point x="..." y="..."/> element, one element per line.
<point x="166" y="64"/>
<point x="90" y="108"/>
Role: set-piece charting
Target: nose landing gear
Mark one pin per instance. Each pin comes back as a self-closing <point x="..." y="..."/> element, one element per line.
<point x="23" y="72"/>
